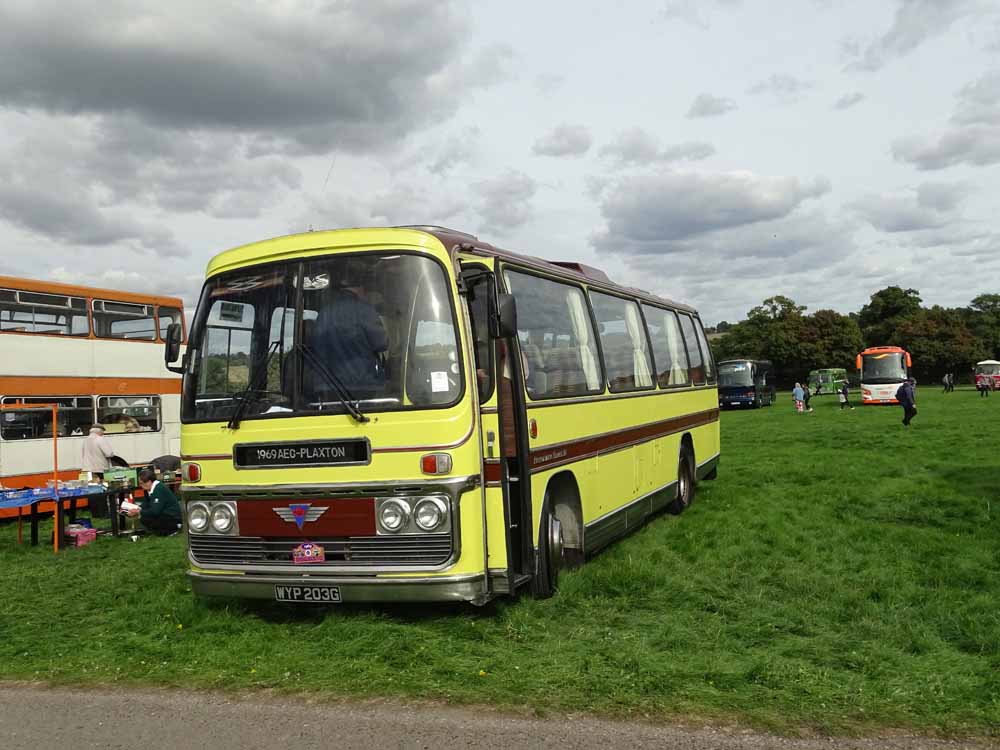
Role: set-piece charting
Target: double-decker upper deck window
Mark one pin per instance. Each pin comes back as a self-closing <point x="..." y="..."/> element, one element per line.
<point x="124" y="320"/>
<point x="623" y="343"/>
<point x="556" y="335"/>
<point x="129" y="413"/>
<point x="73" y="419"/>
<point x="166" y="316"/>
<point x="668" y="346"/>
<point x="696" y="368"/>
<point x="34" y="312"/>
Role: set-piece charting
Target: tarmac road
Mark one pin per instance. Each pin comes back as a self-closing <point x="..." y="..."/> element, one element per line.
<point x="39" y="718"/>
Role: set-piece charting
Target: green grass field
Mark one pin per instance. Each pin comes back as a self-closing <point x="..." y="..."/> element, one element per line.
<point x="842" y="575"/>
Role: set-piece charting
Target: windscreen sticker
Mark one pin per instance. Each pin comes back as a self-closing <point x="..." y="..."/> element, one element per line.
<point x="439" y="381"/>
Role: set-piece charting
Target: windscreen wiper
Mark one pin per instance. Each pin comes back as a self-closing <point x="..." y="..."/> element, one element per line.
<point x="243" y="398"/>
<point x="350" y="403"/>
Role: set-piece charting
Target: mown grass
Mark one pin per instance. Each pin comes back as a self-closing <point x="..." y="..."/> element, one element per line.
<point x="842" y="575"/>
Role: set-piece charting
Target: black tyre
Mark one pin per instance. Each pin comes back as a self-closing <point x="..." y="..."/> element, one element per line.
<point x="550" y="555"/>
<point x="685" y="484"/>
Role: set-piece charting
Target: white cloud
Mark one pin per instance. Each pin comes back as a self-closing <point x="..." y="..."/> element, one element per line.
<point x="638" y="147"/>
<point x="655" y="211"/>
<point x="849" y="100"/>
<point x="505" y="201"/>
<point x="916" y="21"/>
<point x="707" y="105"/>
<point x="564" y="140"/>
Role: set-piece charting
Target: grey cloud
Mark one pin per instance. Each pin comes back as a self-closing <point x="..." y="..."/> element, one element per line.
<point x="707" y="105"/>
<point x="124" y="161"/>
<point x="915" y="22"/>
<point x="407" y="205"/>
<point x="457" y="149"/>
<point x="975" y="145"/>
<point x="352" y="73"/>
<point x="973" y="138"/>
<point x="979" y="101"/>
<point x="62" y="214"/>
<point x="505" y="201"/>
<point x="781" y="85"/>
<point x="658" y="211"/>
<point x="849" y="100"/>
<point x="805" y="255"/>
<point x="932" y="205"/>
<point x="941" y="196"/>
<point x="564" y="140"/>
<point x="637" y="147"/>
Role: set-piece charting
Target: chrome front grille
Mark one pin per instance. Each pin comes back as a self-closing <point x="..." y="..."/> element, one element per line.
<point x="418" y="549"/>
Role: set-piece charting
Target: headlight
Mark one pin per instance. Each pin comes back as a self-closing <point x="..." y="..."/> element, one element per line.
<point x="222" y="518"/>
<point x="430" y="513"/>
<point x="197" y="517"/>
<point x="393" y="515"/>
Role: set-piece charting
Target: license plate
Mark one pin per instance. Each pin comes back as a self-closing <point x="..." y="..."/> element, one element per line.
<point x="734" y="403"/>
<point x="313" y="594"/>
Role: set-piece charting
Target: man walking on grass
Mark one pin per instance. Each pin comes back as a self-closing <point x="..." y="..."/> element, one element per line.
<point x="908" y="400"/>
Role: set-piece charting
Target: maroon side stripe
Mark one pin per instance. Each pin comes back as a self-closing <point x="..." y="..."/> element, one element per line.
<point x="575" y="450"/>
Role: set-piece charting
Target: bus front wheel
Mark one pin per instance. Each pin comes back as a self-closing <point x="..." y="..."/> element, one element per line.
<point x="550" y="547"/>
<point x="685" y="484"/>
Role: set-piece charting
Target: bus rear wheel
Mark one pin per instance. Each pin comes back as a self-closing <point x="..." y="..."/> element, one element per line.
<point x="685" y="484"/>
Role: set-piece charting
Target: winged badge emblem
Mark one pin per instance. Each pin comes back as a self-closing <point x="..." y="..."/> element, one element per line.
<point x="300" y="513"/>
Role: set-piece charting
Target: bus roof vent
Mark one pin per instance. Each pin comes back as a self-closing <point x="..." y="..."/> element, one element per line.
<point x="584" y="270"/>
<point x="435" y="228"/>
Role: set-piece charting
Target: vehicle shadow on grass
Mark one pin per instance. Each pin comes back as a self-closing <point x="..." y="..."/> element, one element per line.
<point x="403" y="613"/>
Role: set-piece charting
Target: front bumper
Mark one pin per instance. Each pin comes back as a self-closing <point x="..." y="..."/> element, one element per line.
<point x="470" y="588"/>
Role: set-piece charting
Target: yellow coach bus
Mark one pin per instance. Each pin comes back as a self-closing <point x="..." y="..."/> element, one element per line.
<point x="411" y="414"/>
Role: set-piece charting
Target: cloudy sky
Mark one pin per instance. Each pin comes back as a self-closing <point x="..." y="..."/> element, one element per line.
<point x="713" y="151"/>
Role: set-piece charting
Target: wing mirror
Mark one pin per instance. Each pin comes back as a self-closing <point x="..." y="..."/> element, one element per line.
<point x="172" y="347"/>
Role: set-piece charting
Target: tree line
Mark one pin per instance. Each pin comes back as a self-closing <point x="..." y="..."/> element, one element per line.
<point x="940" y="339"/>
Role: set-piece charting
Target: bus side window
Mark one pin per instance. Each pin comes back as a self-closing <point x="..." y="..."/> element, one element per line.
<point x="567" y="349"/>
<point x="668" y="347"/>
<point x="696" y="366"/>
<point x="706" y="351"/>
<point x="623" y="343"/>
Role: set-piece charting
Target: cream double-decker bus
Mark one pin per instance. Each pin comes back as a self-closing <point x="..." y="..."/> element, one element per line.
<point x="95" y="353"/>
<point x="412" y="414"/>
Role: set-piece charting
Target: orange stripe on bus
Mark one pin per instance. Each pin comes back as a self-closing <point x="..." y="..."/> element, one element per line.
<point x="74" y="290"/>
<point x="69" y="386"/>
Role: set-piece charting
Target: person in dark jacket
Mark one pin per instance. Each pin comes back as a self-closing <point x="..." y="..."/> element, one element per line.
<point x="908" y="400"/>
<point x="844" y="396"/>
<point x="160" y="511"/>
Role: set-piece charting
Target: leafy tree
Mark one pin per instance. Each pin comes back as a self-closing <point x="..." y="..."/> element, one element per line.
<point x="940" y="342"/>
<point x="888" y="308"/>
<point x="983" y="319"/>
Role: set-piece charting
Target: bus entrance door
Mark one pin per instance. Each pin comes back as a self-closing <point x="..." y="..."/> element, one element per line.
<point x="504" y="432"/>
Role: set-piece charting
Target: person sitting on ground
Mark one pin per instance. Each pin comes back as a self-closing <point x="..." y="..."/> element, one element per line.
<point x="159" y="511"/>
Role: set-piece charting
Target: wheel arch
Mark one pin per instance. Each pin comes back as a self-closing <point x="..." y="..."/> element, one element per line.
<point x="563" y="493"/>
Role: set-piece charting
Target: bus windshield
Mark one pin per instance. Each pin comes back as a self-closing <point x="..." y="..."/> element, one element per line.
<point x="988" y="369"/>
<point x="884" y="367"/>
<point x="735" y="374"/>
<point x="303" y="337"/>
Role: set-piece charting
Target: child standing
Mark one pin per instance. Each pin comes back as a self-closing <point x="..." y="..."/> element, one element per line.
<point x="798" y="395"/>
